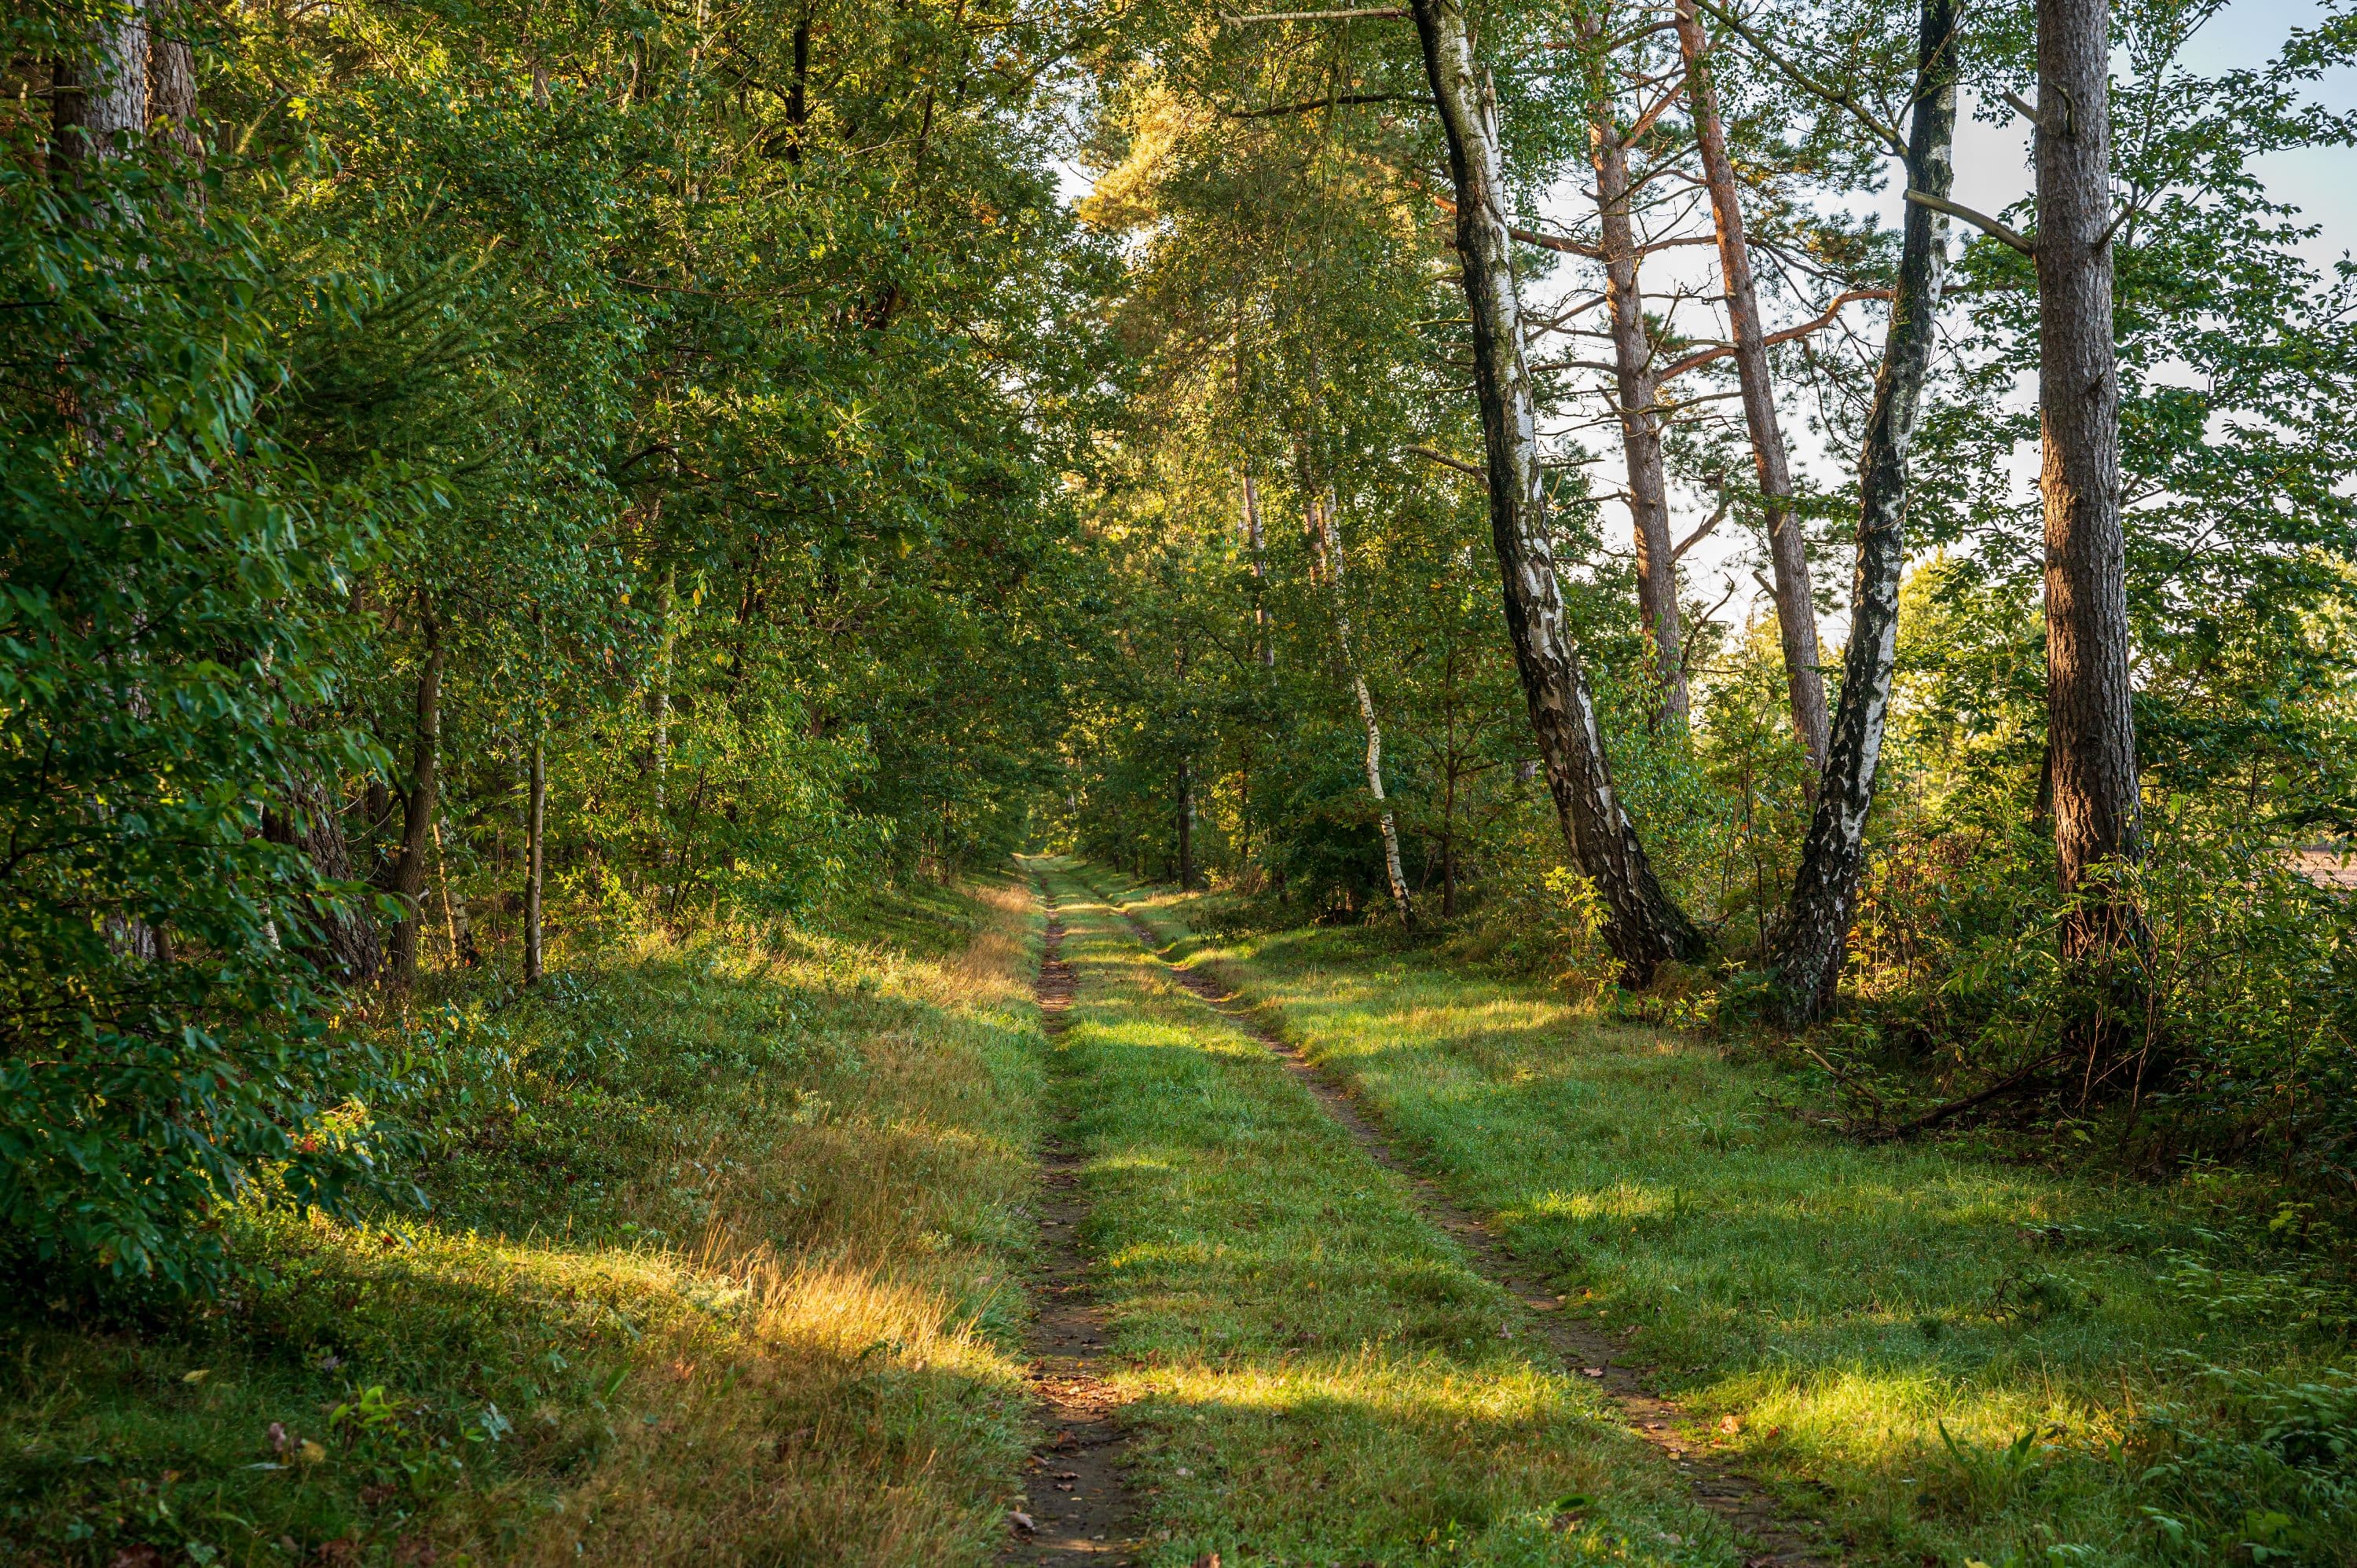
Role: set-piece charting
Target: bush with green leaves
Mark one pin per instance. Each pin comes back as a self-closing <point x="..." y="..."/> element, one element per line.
<point x="165" y="672"/>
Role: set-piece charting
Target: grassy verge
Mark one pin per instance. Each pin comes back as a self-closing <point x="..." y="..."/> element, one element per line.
<point x="718" y="1270"/>
<point x="1950" y="1358"/>
<point x="1314" y="1374"/>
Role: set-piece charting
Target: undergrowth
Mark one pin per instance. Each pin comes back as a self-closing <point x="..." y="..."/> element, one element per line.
<point x="718" y="1265"/>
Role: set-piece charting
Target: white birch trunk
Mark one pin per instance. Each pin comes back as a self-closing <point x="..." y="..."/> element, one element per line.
<point x="1330" y="534"/>
<point x="1645" y="927"/>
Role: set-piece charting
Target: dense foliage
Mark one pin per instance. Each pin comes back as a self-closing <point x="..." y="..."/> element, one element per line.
<point x="681" y="401"/>
<point x="479" y="479"/>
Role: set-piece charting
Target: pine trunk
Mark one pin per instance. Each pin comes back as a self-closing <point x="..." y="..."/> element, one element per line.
<point x="1796" y="608"/>
<point x="171" y="112"/>
<point x="98" y="97"/>
<point x="2090" y="726"/>
<point x="1815" y="933"/>
<point x="1644" y="928"/>
<point x="1638" y="411"/>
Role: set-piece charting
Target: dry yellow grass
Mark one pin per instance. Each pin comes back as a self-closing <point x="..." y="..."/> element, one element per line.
<point x="721" y="1271"/>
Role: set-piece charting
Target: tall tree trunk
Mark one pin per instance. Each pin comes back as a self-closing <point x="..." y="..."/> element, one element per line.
<point x="2089" y="722"/>
<point x="1638" y="405"/>
<point x="1796" y="608"/>
<point x="101" y="95"/>
<point x="1645" y="927"/>
<point x="1329" y="532"/>
<point x="172" y="82"/>
<point x="342" y="939"/>
<point x="1256" y="541"/>
<point x="1814" y="932"/>
<point x="1185" y="825"/>
<point x="536" y="857"/>
<point x="418" y="803"/>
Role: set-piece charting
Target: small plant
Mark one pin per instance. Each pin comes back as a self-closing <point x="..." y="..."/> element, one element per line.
<point x="1986" y="1479"/>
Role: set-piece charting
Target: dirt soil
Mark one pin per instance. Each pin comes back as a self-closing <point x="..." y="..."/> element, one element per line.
<point x="1075" y="1509"/>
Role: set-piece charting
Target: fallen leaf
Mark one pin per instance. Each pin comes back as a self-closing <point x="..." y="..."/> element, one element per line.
<point x="198" y="1376"/>
<point x="1730" y="1425"/>
<point x="1591" y="1372"/>
<point x="1209" y="1560"/>
<point x="310" y="1453"/>
<point x="1022" y="1521"/>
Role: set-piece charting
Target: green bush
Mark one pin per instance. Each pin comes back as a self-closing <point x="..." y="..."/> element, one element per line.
<point x="164" y="1041"/>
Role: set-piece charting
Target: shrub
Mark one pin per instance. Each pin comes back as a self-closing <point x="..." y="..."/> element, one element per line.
<point x="164" y="1038"/>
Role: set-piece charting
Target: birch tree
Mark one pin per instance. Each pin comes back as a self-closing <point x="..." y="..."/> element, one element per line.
<point x="1645" y="927"/>
<point x="1324" y="523"/>
<point x="1811" y="941"/>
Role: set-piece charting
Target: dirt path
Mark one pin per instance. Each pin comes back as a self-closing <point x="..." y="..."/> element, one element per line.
<point x="1771" y="1537"/>
<point x="1075" y="1509"/>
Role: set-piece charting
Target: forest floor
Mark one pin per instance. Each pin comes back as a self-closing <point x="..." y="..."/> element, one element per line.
<point x="958" y="1237"/>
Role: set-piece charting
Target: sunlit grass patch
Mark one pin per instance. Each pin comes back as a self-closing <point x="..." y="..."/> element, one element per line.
<point x="1315" y="1373"/>
<point x="1947" y="1357"/>
<point x="724" y="1265"/>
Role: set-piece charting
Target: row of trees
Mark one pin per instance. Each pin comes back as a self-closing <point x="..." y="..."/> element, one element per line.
<point x="471" y="470"/>
<point x="472" y="477"/>
<point x="1339" y="219"/>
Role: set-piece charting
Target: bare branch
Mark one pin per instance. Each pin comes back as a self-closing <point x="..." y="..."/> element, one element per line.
<point x="1381" y="11"/>
<point x="1309" y="105"/>
<point x="1445" y="461"/>
<point x="1988" y="225"/>
<point x="1697" y="536"/>
<point x="1645" y="123"/>
<point x="1721" y="350"/>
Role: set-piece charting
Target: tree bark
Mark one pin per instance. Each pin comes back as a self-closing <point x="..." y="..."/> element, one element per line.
<point x="1185" y="825"/>
<point x="343" y="940"/>
<point x="2090" y="725"/>
<point x="1256" y="541"/>
<point x="535" y="858"/>
<point x="96" y="98"/>
<point x="1796" y="608"/>
<point x="172" y="82"/>
<point x="1329" y="533"/>
<point x="1644" y="928"/>
<point x="1638" y="405"/>
<point x="418" y="803"/>
<point x="1814" y="932"/>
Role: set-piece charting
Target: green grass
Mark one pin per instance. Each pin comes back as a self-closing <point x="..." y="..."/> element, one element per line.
<point x="1845" y="1304"/>
<point x="718" y="1270"/>
<point x="1314" y="1374"/>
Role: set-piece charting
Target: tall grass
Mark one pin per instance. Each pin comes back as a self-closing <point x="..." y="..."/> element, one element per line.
<point x="721" y="1267"/>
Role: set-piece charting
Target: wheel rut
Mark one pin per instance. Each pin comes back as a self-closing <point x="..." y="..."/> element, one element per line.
<point x="1075" y="1509"/>
<point x="1771" y="1537"/>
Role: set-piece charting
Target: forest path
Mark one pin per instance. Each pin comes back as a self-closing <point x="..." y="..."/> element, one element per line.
<point x="1772" y="1538"/>
<point x="1078" y="1509"/>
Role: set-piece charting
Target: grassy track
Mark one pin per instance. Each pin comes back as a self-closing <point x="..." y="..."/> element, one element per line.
<point x="1313" y="1373"/>
<point x="718" y="1273"/>
<point x="1837" y="1306"/>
